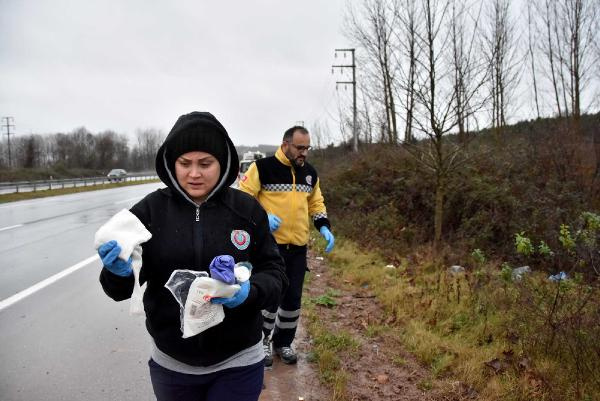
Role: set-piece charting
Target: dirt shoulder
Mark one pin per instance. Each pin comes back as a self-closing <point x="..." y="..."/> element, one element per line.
<point x="379" y="369"/>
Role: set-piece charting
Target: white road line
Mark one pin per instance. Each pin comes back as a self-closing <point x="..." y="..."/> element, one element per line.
<point x="128" y="200"/>
<point x="10" y="227"/>
<point x="44" y="283"/>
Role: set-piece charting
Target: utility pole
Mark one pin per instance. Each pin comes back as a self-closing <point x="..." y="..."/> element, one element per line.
<point x="353" y="83"/>
<point x="7" y="124"/>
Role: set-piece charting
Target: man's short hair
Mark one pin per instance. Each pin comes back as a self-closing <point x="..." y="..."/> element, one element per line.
<point x="287" y="136"/>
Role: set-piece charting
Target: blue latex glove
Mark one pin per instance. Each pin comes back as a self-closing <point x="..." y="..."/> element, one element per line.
<point x="109" y="253"/>
<point x="237" y="299"/>
<point x="274" y="222"/>
<point x="328" y="237"/>
<point x="221" y="268"/>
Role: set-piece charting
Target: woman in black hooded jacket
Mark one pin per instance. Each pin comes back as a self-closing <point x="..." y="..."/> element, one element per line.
<point x="196" y="218"/>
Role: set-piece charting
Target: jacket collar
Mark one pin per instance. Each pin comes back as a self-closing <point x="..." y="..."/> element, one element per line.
<point x="282" y="157"/>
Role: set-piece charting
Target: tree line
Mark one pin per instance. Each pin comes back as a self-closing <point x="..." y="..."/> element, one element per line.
<point x="83" y="149"/>
<point x="463" y="65"/>
<point x="430" y="73"/>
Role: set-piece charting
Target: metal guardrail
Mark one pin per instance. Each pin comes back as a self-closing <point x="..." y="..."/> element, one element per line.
<point x="40" y="185"/>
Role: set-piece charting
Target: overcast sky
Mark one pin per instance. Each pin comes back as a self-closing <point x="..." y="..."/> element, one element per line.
<point x="258" y="66"/>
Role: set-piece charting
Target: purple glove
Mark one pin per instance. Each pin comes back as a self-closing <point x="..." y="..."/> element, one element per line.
<point x="221" y="268"/>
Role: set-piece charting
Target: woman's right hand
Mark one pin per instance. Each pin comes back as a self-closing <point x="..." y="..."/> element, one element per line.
<point x="109" y="254"/>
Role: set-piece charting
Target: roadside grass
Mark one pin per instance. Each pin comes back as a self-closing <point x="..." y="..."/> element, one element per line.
<point x="326" y="349"/>
<point x="327" y="345"/>
<point x="5" y="198"/>
<point x="471" y="328"/>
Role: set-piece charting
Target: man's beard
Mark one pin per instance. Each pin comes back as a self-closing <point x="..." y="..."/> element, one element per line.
<point x="295" y="161"/>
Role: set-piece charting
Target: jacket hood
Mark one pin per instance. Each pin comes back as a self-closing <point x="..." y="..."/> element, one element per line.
<point x="196" y="121"/>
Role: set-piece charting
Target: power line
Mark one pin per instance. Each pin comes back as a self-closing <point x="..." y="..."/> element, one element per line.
<point x="7" y="124"/>
<point x="353" y="83"/>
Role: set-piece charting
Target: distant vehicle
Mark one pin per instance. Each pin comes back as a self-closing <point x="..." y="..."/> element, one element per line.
<point x="247" y="159"/>
<point x="250" y="155"/>
<point x="244" y="166"/>
<point x="117" y="174"/>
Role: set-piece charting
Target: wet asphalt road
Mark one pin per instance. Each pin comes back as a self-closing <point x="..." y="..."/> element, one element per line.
<point x="66" y="340"/>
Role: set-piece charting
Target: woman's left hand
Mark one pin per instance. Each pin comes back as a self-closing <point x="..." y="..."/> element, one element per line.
<point x="237" y="299"/>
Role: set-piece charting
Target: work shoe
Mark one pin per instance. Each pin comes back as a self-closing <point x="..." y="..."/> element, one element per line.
<point x="268" y="354"/>
<point x="287" y="355"/>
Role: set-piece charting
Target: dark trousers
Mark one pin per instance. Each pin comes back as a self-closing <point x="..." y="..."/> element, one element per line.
<point x="234" y="384"/>
<point x="284" y="317"/>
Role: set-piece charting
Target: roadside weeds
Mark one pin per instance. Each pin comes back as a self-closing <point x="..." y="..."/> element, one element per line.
<point x="355" y="349"/>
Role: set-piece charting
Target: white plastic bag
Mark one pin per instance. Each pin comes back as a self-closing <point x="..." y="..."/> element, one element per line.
<point x="136" y="304"/>
<point x="193" y="291"/>
<point x="199" y="314"/>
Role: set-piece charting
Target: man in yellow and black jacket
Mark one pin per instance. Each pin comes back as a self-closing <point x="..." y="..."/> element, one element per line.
<point x="288" y="189"/>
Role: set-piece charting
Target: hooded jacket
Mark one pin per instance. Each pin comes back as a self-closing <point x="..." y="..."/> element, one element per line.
<point x="186" y="235"/>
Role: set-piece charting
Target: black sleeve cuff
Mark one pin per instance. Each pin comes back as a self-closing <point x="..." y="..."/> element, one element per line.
<point x="322" y="221"/>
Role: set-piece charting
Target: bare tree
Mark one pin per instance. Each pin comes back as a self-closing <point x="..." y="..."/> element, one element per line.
<point x="408" y="15"/>
<point x="549" y="48"/>
<point x="501" y="54"/>
<point x="445" y="69"/>
<point x="468" y="70"/>
<point x="62" y="149"/>
<point x="596" y="46"/>
<point x="27" y="151"/>
<point x="3" y="157"/>
<point x="320" y="136"/>
<point x="112" y="151"/>
<point x="368" y="106"/>
<point x="579" y="35"/>
<point x="105" y="150"/>
<point x="317" y="135"/>
<point x="33" y="151"/>
<point x="571" y="30"/>
<point x="373" y="28"/>
<point x="148" y="142"/>
<point x="531" y="52"/>
<point x="435" y="99"/>
<point x="561" y="53"/>
<point x="365" y="115"/>
<point x="83" y="148"/>
<point x="344" y="120"/>
<point x="46" y="150"/>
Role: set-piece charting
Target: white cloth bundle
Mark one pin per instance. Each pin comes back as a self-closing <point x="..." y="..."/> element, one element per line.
<point x="130" y="233"/>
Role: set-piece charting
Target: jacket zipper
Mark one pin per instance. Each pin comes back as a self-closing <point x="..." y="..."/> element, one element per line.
<point x="198" y="239"/>
<point x="293" y="203"/>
